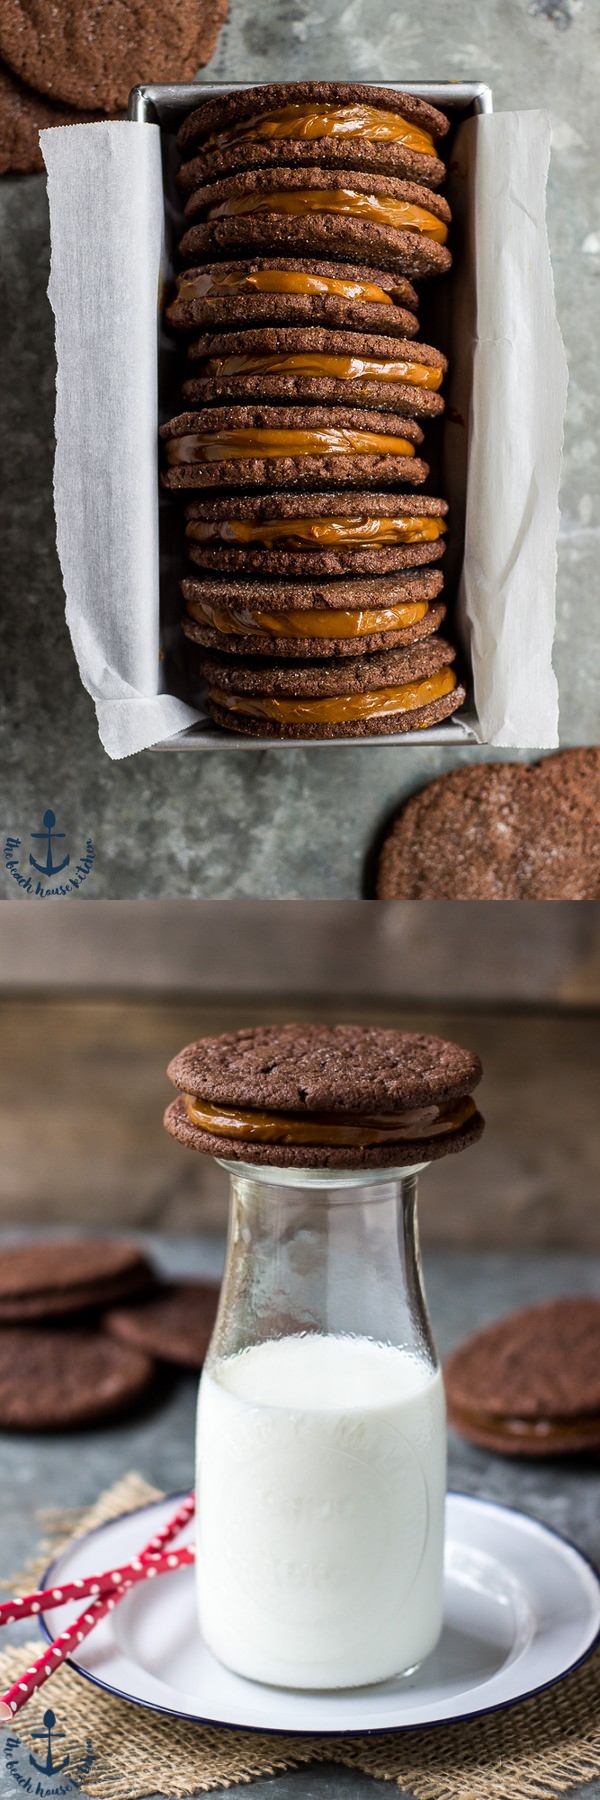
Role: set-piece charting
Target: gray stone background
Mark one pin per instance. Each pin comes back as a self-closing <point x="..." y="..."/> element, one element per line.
<point x="287" y="822"/>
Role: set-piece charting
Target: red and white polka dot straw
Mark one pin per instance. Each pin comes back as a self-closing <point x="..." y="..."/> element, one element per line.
<point x="150" y="1563"/>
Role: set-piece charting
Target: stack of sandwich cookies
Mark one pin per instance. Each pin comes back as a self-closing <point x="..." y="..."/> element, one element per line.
<point x="310" y="210"/>
<point x="315" y="1096"/>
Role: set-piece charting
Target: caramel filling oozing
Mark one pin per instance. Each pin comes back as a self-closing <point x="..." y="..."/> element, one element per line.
<point x="378" y="209"/>
<point x="301" y="120"/>
<point x="314" y="623"/>
<point x="312" y="533"/>
<point x="328" y="1128"/>
<point x="252" y="441"/>
<point x="320" y="363"/>
<point x="344" y="709"/>
<point x="275" y="281"/>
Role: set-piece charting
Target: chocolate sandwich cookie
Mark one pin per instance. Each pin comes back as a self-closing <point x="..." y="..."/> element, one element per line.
<point x="280" y="446"/>
<point x="91" y="56"/>
<point x="364" y="218"/>
<point x="339" y="123"/>
<point x="279" y="290"/>
<point x="382" y="694"/>
<point x="529" y="1385"/>
<point x="58" y="1276"/>
<point x="59" y="1378"/>
<point x="319" y="366"/>
<point x="175" y="1324"/>
<point x="308" y="534"/>
<point x="499" y="831"/>
<point x="320" y="1096"/>
<point x="293" y="619"/>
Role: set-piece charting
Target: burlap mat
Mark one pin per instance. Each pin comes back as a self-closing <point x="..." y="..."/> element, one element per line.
<point x="544" y="1747"/>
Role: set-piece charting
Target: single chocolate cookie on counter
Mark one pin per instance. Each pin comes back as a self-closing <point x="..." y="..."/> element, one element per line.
<point x="398" y="225"/>
<point x="59" y="1378"/>
<point x="499" y="831"/>
<point x="53" y="1277"/>
<point x="23" y="114"/>
<point x="529" y="1384"/>
<point x="279" y="290"/>
<point x="318" y="1096"/>
<point x="307" y="534"/>
<point x="91" y="56"/>
<point x="264" y="446"/>
<point x="320" y="366"/>
<point x="343" y="124"/>
<point x="304" y="619"/>
<point x="174" y="1325"/>
<point x="381" y="694"/>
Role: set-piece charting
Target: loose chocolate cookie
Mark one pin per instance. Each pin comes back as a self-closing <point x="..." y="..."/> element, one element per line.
<point x="92" y="56"/>
<point x="270" y="290"/>
<point x="397" y="224"/>
<point x="243" y="122"/>
<point x="23" y="114"/>
<point x="529" y="1384"/>
<point x="175" y="1324"/>
<point x="289" y="620"/>
<point x="280" y="1091"/>
<point x="267" y="446"/>
<point x="499" y="831"/>
<point x="319" y="367"/>
<point x="307" y="534"/>
<point x="58" y="1276"/>
<point x="385" y="693"/>
<point x="56" y="1378"/>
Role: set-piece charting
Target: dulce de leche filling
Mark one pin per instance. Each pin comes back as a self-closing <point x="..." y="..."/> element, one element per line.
<point x="514" y="1428"/>
<point x="328" y="1128"/>
<point x="249" y="441"/>
<point x="314" y="623"/>
<point x="320" y="363"/>
<point x="276" y="281"/>
<point x="312" y="533"/>
<point x="300" y="120"/>
<point x="344" y="709"/>
<point x="378" y="209"/>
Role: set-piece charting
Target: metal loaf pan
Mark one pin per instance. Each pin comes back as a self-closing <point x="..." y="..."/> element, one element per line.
<point x="166" y="106"/>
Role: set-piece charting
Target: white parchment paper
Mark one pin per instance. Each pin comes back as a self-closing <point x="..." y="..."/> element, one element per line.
<point x="506" y="400"/>
<point x="106" y="218"/>
<point x="509" y="377"/>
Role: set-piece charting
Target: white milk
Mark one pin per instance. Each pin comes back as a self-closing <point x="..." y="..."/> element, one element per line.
<point x="321" y="1479"/>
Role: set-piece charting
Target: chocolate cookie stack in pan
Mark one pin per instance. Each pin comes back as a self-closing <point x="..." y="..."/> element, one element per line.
<point x="314" y="532"/>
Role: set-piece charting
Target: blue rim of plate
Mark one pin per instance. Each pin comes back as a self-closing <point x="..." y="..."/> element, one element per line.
<point x="172" y="1712"/>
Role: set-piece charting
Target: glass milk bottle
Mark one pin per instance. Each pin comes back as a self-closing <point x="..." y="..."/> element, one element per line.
<point x="321" y="1450"/>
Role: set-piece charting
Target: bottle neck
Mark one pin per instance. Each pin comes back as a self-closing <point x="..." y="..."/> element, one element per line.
<point x="333" y="1256"/>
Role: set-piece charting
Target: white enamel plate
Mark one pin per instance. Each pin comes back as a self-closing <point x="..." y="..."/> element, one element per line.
<point x="522" y="1608"/>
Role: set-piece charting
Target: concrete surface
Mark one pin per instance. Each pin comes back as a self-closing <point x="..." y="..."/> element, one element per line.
<point x="464" y="1290"/>
<point x="286" y="822"/>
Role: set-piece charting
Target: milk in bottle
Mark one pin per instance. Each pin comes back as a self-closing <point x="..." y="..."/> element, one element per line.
<point x="321" y="1467"/>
